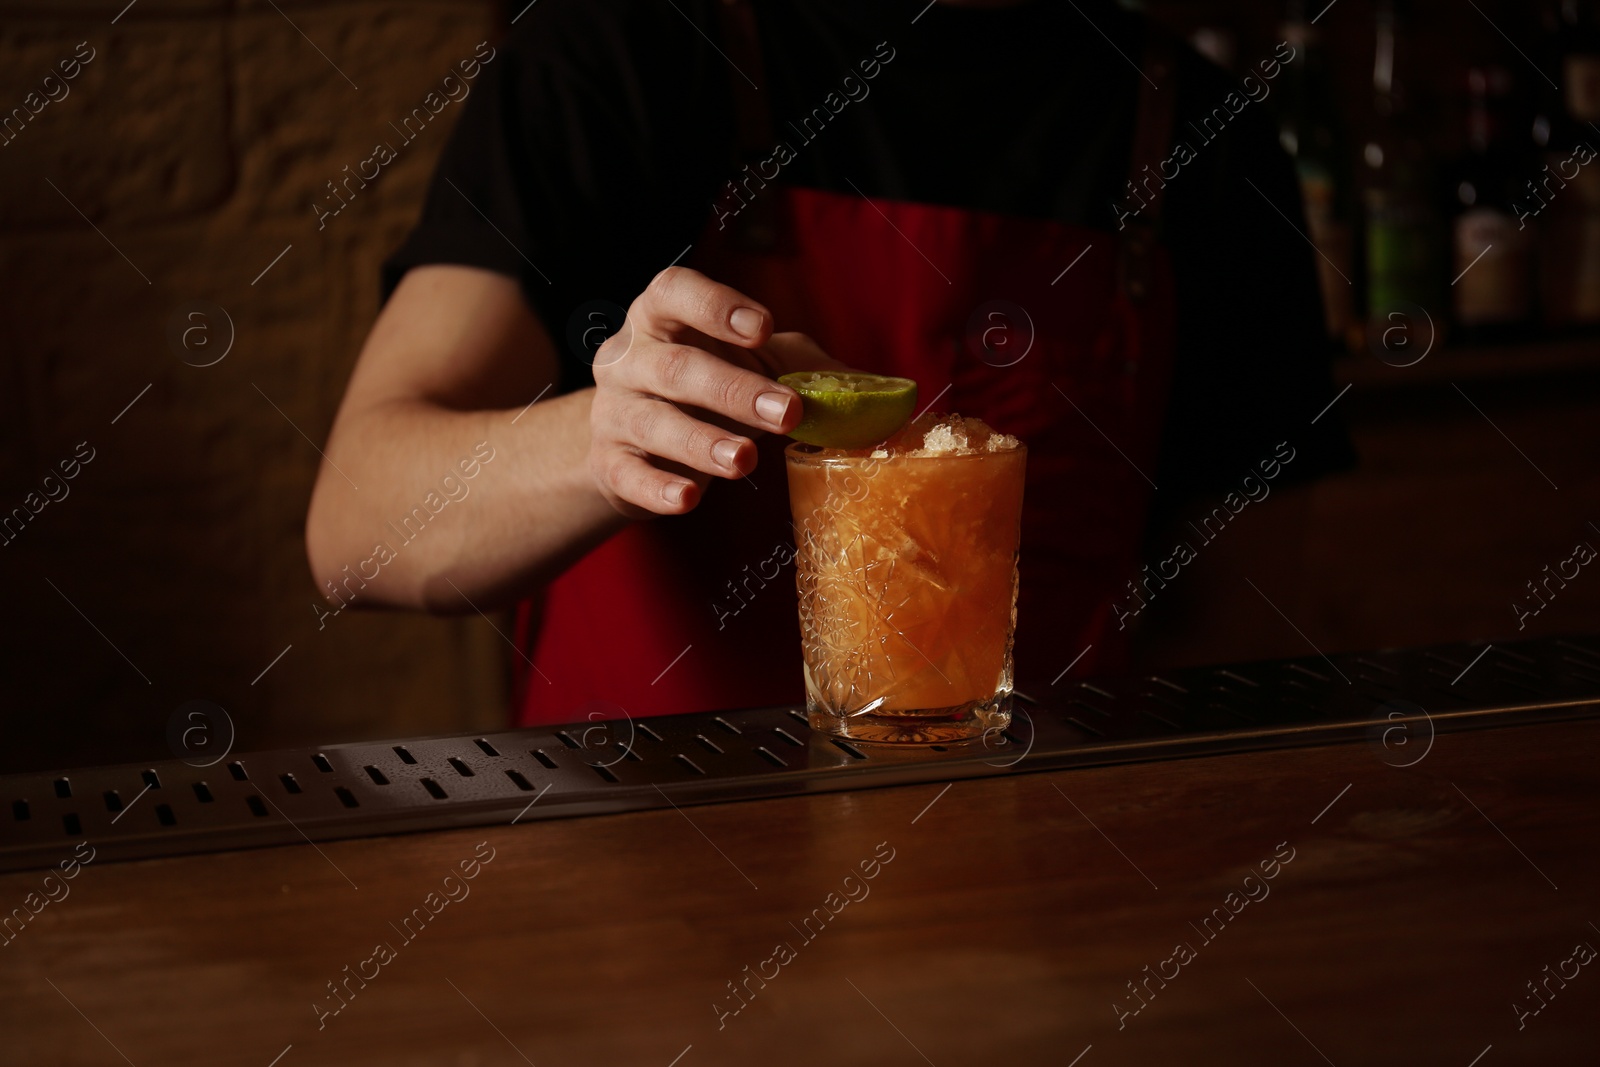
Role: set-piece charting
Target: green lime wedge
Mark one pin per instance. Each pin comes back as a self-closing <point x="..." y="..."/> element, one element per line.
<point x="848" y="409"/>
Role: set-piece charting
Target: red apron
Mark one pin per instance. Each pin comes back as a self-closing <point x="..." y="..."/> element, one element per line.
<point x="699" y="612"/>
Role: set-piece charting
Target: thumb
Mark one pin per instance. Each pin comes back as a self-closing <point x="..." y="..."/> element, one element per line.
<point x="790" y="351"/>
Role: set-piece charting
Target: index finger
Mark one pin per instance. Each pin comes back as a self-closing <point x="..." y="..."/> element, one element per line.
<point x="682" y="297"/>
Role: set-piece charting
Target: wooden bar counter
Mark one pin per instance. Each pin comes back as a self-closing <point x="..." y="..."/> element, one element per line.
<point x="1330" y="908"/>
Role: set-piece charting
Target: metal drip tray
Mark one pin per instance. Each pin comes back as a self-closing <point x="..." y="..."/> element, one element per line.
<point x="357" y="790"/>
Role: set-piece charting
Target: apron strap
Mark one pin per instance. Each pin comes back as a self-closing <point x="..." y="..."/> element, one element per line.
<point x="761" y="223"/>
<point x="1151" y="136"/>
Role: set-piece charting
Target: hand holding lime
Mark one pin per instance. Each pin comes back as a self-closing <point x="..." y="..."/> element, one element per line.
<point x="850" y="409"/>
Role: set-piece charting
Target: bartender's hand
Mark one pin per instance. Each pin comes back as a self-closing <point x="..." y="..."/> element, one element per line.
<point x="681" y="385"/>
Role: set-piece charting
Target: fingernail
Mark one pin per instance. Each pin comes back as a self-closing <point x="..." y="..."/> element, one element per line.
<point x="725" y="452"/>
<point x="746" y="322"/>
<point x="673" y="494"/>
<point x="772" y="407"/>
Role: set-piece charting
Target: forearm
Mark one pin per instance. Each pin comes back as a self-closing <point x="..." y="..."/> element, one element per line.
<point x="455" y="510"/>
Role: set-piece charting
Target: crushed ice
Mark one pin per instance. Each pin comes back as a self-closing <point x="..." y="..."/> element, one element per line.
<point x="945" y="437"/>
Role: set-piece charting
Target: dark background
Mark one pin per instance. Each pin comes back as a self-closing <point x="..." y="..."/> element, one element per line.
<point x="196" y="141"/>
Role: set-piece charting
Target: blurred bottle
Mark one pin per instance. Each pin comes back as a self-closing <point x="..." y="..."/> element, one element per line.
<point x="1493" y="269"/>
<point x="1403" y="232"/>
<point x="1310" y="131"/>
<point x="1563" y="195"/>
<point x="1580" y="58"/>
<point x="1216" y="43"/>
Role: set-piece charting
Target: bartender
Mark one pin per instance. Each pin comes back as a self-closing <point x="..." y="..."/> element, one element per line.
<point x="1051" y="215"/>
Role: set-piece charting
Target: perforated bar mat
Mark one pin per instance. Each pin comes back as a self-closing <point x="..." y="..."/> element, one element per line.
<point x="1396" y="700"/>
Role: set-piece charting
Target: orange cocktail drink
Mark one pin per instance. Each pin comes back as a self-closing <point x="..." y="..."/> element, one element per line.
<point x="907" y="571"/>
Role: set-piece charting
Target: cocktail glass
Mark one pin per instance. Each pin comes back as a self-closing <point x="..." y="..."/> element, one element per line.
<point x="907" y="572"/>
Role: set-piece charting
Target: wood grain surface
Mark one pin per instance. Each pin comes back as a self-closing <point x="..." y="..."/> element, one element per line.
<point x="1014" y="912"/>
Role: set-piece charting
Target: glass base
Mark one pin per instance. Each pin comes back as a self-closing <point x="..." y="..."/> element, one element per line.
<point x="934" y="726"/>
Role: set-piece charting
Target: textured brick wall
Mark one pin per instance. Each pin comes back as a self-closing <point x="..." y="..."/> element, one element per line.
<point x="195" y="140"/>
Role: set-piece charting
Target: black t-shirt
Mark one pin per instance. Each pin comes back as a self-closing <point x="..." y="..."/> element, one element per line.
<point x="595" y="143"/>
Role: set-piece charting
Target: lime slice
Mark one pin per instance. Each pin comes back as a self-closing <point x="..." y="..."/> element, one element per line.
<point x="848" y="409"/>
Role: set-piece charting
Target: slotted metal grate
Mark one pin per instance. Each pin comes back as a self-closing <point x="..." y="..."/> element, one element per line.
<point x="355" y="790"/>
